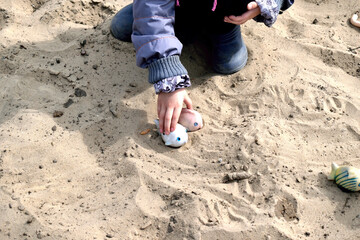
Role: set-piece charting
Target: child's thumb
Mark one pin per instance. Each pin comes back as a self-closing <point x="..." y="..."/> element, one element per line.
<point x="252" y="5"/>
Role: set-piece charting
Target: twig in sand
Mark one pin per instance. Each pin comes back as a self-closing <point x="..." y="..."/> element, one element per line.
<point x="352" y="50"/>
<point x="236" y="176"/>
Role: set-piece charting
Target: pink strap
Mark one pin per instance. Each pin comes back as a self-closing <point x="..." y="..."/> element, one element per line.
<point x="214" y="6"/>
<point x="177" y="3"/>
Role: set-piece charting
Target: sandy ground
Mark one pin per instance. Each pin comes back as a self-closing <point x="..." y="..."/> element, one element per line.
<point x="73" y="164"/>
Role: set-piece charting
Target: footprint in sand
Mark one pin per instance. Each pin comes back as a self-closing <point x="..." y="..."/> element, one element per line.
<point x="4" y="16"/>
<point x="286" y="208"/>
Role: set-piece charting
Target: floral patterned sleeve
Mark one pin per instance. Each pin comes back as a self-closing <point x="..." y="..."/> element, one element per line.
<point x="171" y="84"/>
<point x="269" y="11"/>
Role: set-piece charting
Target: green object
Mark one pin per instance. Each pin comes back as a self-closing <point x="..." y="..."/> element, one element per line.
<point x="346" y="177"/>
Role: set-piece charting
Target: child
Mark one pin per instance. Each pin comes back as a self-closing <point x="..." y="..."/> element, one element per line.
<point x="150" y="24"/>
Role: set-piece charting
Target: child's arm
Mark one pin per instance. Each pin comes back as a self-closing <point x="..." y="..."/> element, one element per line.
<point x="158" y="49"/>
<point x="262" y="11"/>
<point x="253" y="11"/>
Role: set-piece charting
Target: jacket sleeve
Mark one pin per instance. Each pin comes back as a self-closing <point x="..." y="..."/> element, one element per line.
<point x="270" y="10"/>
<point x="157" y="47"/>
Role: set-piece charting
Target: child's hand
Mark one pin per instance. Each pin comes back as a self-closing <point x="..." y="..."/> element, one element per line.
<point x="253" y="11"/>
<point x="169" y="108"/>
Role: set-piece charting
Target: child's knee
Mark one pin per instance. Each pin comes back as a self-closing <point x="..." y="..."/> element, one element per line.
<point x="121" y="24"/>
<point x="234" y="64"/>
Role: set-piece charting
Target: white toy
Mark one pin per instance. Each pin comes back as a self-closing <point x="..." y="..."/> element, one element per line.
<point x="355" y="20"/>
<point x="176" y="138"/>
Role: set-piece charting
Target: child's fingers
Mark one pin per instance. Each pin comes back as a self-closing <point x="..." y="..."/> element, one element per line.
<point x="188" y="102"/>
<point x="158" y="109"/>
<point x="161" y="120"/>
<point x="235" y="19"/>
<point x="235" y="22"/>
<point x="252" y="5"/>
<point x="238" y="20"/>
<point x="168" y="117"/>
<point x="175" y="119"/>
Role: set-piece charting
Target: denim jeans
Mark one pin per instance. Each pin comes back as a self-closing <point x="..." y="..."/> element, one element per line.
<point x="229" y="53"/>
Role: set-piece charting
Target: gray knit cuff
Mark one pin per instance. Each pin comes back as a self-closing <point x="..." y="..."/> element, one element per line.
<point x="165" y="68"/>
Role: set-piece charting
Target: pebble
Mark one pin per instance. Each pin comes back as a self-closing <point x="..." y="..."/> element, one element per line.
<point x="53" y="72"/>
<point x="220" y="160"/>
<point x="53" y="128"/>
<point x="57" y="114"/>
<point x="356" y="221"/>
<point x="72" y="78"/>
<point x="68" y="103"/>
<point x="95" y="66"/>
<point x="146" y="225"/>
<point x="30" y="220"/>
<point x="79" y="92"/>
<point x="82" y="52"/>
<point x="83" y="42"/>
<point x="39" y="234"/>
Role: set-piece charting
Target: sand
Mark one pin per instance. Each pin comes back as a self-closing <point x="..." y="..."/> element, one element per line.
<point x="73" y="164"/>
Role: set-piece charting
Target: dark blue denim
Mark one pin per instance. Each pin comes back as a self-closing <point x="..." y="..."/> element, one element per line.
<point x="229" y="53"/>
<point x="121" y="24"/>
